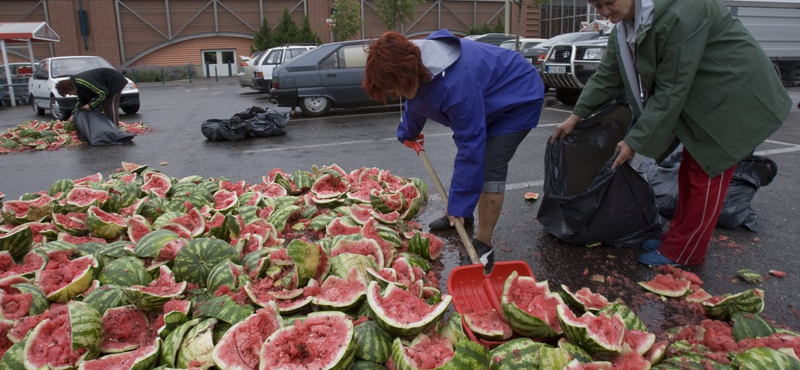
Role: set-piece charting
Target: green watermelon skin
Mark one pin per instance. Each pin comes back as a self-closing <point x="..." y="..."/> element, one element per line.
<point x="196" y="260"/>
<point x="631" y="320"/>
<point x="374" y="343"/>
<point x="748" y="326"/>
<point x="124" y="272"/>
<point x="762" y="358"/>
<point x="105" y="297"/>
<point x="150" y="244"/>
<point x="749" y="301"/>
<point x="18" y="242"/>
<point x="172" y="344"/>
<point x="516" y="354"/>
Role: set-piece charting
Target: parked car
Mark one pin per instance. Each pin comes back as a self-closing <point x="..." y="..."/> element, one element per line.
<point x="20" y="73"/>
<point x="245" y="73"/>
<point x="491" y="38"/>
<point x="568" y="67"/>
<point x="327" y="77"/>
<point x="42" y="86"/>
<point x="525" y="45"/>
<point x="271" y="58"/>
<point x="539" y="53"/>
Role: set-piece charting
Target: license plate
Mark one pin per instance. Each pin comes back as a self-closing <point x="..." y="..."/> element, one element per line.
<point x="556" y="69"/>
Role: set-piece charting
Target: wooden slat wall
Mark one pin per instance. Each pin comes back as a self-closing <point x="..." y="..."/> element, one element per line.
<point x="18" y="11"/>
<point x="189" y="51"/>
<point x="137" y="35"/>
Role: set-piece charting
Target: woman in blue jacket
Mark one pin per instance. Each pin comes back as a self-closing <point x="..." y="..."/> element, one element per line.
<point x="490" y="97"/>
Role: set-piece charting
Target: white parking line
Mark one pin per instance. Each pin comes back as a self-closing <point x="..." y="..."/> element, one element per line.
<point x="780" y="142"/>
<point x="778" y="151"/>
<point x="559" y="110"/>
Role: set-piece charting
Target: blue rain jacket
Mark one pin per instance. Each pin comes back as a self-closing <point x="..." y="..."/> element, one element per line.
<point x="479" y="91"/>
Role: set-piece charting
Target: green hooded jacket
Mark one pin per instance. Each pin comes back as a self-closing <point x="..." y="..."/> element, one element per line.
<point x="707" y="82"/>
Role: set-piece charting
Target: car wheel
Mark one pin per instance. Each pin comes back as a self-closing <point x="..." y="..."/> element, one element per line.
<point x="131" y="109"/>
<point x="568" y="96"/>
<point x="56" y="111"/>
<point x="39" y="111"/>
<point x="315" y="106"/>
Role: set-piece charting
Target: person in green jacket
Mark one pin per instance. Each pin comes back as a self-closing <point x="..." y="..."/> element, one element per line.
<point x="693" y="74"/>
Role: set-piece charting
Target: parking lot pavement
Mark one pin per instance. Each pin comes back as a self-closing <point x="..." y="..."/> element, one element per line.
<point x="366" y="137"/>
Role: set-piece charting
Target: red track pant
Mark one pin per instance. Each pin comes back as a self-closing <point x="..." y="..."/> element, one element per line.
<point x="700" y="201"/>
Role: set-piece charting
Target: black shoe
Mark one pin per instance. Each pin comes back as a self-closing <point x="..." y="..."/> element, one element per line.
<point x="442" y="224"/>
<point x="485" y="255"/>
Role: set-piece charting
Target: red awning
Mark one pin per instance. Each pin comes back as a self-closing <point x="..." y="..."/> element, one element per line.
<point x="24" y="31"/>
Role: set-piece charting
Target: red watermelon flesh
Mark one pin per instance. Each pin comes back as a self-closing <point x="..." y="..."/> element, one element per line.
<point x="108" y="217"/>
<point x="164" y="285"/>
<point x="239" y="187"/>
<point x="327" y="186"/>
<point x="534" y="300"/>
<point x="364" y="247"/>
<point x="487" y="321"/>
<point x="170" y="250"/>
<point x="591" y="300"/>
<point x="402" y="305"/>
<point x="639" y="341"/>
<point x="122" y="329"/>
<point x="335" y="289"/>
<point x="32" y="262"/>
<point x="119" y="361"/>
<point x="680" y="274"/>
<point x="308" y="344"/>
<point x="5" y="343"/>
<point x="178" y="229"/>
<point x="405" y="273"/>
<point x="24" y="325"/>
<point x="72" y="220"/>
<point x="89" y="179"/>
<point x="60" y="271"/>
<point x="39" y="229"/>
<point x="630" y="361"/>
<point x="157" y="183"/>
<point x="224" y="199"/>
<point x="53" y="344"/>
<point x="137" y="228"/>
<point x="77" y="240"/>
<point x="84" y="197"/>
<point x="15" y="306"/>
<point x="192" y="221"/>
<point x="369" y="231"/>
<point x="608" y="328"/>
<point x="336" y="227"/>
<point x="429" y="352"/>
<point x="241" y="345"/>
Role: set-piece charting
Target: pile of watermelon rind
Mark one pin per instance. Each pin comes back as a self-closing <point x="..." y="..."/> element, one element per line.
<point x="51" y="135"/>
<point x="319" y="269"/>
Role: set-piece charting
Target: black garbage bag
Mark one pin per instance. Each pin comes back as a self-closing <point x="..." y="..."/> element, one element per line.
<point x="751" y="174"/>
<point x="96" y="129"/>
<point x="585" y="201"/>
<point x="253" y="122"/>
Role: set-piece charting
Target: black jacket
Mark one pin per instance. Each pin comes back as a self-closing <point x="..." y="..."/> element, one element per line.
<point x="96" y="85"/>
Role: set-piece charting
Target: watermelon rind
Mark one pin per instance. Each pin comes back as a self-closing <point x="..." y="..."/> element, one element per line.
<point x="679" y="291"/>
<point x="553" y="358"/>
<point x="18" y="241"/>
<point x="374" y="251"/>
<point x="366" y="365"/>
<point x="145" y="358"/>
<point x="631" y="320"/>
<point x="574" y="350"/>
<point x="574" y="300"/>
<point x="79" y="284"/>
<point x="172" y="344"/>
<point x="103" y="229"/>
<point x="593" y="343"/>
<point x="520" y="353"/>
<point x="225" y="309"/>
<point x="468" y="355"/>
<point x="150" y="244"/>
<point x="195" y="261"/>
<point x="339" y="181"/>
<point x="453" y="328"/>
<point x="115" y="347"/>
<point x="374" y="342"/>
<point x="197" y="345"/>
<point x="341" y="265"/>
<point x="229" y="339"/>
<point x="421" y="246"/>
<point x="524" y="323"/>
<point x="306" y="257"/>
<point x="14" y="358"/>
<point x="224" y="273"/>
<point x="765" y="358"/>
<point x="749" y="326"/>
<point x="343" y="304"/>
<point x="343" y="353"/>
<point x="749" y="301"/>
<point x="106" y="297"/>
<point x="124" y="272"/>
<point x="393" y="325"/>
<point x="39" y="304"/>
<point x="499" y="332"/>
<point x="87" y="325"/>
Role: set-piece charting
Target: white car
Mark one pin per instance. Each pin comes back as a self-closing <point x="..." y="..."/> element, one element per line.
<point x="43" y="93"/>
<point x="271" y="58"/>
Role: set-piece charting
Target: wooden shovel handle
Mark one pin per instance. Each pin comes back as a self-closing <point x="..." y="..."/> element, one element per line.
<point x="473" y="256"/>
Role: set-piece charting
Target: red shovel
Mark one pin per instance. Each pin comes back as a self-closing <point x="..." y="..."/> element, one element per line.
<point x="472" y="291"/>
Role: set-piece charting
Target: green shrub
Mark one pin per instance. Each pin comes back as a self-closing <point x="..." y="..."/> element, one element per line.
<point x="161" y="74"/>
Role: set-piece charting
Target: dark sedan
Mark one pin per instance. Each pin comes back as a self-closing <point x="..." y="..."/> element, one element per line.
<point x="327" y="77"/>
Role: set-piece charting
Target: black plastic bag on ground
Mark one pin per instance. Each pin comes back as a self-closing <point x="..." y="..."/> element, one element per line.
<point x="585" y="201"/>
<point x="751" y="173"/>
<point x="253" y="122"/>
<point x="96" y="129"/>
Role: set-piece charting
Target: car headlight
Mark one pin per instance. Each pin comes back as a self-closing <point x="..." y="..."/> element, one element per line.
<point x="130" y="86"/>
<point x="593" y="54"/>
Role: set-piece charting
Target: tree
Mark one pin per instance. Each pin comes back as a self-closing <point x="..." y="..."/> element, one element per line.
<point x="499" y="27"/>
<point x="286" y="31"/>
<point x="307" y="35"/>
<point x="395" y="12"/>
<point x="262" y="40"/>
<point x="346" y="19"/>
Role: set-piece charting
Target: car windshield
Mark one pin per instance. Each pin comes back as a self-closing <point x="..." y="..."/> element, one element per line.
<point x="508" y="45"/>
<point x="71" y="66"/>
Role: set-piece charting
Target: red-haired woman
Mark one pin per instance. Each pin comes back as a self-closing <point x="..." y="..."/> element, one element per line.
<point x="490" y="97"/>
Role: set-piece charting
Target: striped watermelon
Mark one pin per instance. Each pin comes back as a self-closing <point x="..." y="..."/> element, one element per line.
<point x="150" y="245"/>
<point x="762" y="358"/>
<point x="157" y="293"/>
<point x="436" y="352"/>
<point x="748" y="326"/>
<point x="50" y="345"/>
<point x="224" y="273"/>
<point x="18" y="241"/>
<point x="78" y="272"/>
<point x="18" y="212"/>
<point x="583" y="299"/>
<point x="124" y="272"/>
<point x="106" y="297"/>
<point x="327" y="334"/>
<point x="409" y="314"/>
<point x="122" y="329"/>
<point x="195" y="261"/>
<point x="341" y="294"/>
<point x="144" y="358"/>
<point x="553" y="358"/>
<point x="197" y="346"/>
<point x="172" y="344"/>
<point x="667" y="285"/>
<point x="224" y="309"/>
<point x="105" y="225"/>
<point x="520" y="353"/>
<point x="374" y="343"/>
<point x="529" y="307"/>
<point x="426" y="245"/>
<point x="631" y="320"/>
<point x="598" y="335"/>
<point x="239" y="348"/>
<point x="62" y="186"/>
<point x="722" y="307"/>
<point x="39" y="303"/>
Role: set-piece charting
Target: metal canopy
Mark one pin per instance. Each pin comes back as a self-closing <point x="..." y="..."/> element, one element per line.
<point x="27" y="32"/>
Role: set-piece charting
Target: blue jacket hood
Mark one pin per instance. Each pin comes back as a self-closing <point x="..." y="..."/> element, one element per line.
<point x="439" y="51"/>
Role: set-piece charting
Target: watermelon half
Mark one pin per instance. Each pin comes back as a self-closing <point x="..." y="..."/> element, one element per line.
<point x="599" y="335"/>
<point x="530" y="308"/>
<point x="122" y="329"/>
<point x="324" y="340"/>
<point x="70" y="333"/>
<point x="157" y="293"/>
<point x="239" y="348"/>
<point x="141" y="359"/>
<point x="403" y="313"/>
<point x="667" y="285"/>
<point x="62" y="279"/>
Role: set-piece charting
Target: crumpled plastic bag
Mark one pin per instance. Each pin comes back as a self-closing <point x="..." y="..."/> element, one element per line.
<point x="96" y="129"/>
<point x="254" y="122"/>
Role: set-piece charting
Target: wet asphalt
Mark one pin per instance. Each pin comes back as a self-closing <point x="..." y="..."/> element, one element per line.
<point x="366" y="137"/>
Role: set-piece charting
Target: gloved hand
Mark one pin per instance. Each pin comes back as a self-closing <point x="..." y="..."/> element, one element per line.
<point x="416" y="144"/>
